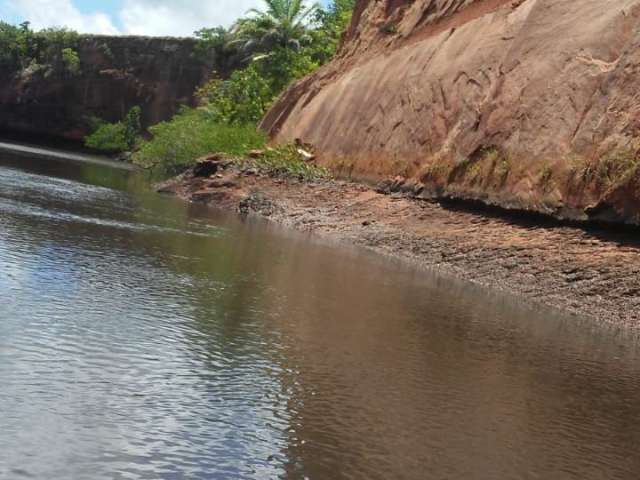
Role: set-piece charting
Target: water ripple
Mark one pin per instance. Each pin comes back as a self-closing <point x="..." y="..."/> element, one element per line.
<point x="137" y="341"/>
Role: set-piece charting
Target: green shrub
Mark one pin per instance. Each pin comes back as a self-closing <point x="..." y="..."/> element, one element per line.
<point x="242" y="99"/>
<point x="56" y="48"/>
<point x="249" y="92"/>
<point x="606" y="171"/>
<point x="191" y="134"/>
<point x="71" y="60"/>
<point x="132" y="127"/>
<point x="108" y="137"/>
<point x="214" y="45"/>
<point x="232" y="106"/>
<point x="331" y="23"/>
<point x="48" y="52"/>
<point x="116" y="137"/>
<point x="14" y="46"/>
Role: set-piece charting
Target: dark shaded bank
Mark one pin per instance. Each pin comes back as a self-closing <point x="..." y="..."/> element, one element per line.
<point x="591" y="271"/>
<point x="116" y="74"/>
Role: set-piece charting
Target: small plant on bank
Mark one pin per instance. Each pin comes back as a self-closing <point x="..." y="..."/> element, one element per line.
<point x="503" y="170"/>
<point x="614" y="166"/>
<point x="108" y="137"/>
<point x="545" y="176"/>
<point x="116" y="137"/>
<point x="610" y="169"/>
<point x="191" y="134"/>
<point x="285" y="160"/>
<point x="438" y="171"/>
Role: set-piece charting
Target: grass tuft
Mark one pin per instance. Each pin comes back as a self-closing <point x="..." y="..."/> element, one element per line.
<point x="285" y="160"/>
<point x="609" y="170"/>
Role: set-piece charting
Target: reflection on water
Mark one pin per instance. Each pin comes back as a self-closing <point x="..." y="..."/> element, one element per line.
<point x="141" y="337"/>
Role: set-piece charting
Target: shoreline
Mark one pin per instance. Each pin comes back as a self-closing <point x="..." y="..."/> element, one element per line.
<point x="30" y="150"/>
<point x="588" y="272"/>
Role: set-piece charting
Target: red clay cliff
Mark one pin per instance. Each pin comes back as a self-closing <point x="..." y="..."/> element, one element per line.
<point x="527" y="104"/>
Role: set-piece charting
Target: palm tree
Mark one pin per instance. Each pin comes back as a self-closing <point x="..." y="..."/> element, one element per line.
<point x="282" y="24"/>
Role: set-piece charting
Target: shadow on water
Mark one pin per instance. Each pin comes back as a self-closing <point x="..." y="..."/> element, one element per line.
<point x="158" y="339"/>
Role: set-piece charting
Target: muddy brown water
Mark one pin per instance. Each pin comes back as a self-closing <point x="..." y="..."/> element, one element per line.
<point x="145" y="338"/>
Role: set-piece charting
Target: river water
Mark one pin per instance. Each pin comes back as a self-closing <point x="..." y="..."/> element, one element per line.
<point x="145" y="338"/>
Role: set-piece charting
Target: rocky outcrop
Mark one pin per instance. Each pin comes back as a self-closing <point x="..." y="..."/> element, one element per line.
<point x="117" y="73"/>
<point x="528" y="104"/>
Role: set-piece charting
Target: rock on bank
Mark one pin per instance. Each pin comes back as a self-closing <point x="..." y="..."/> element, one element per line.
<point x="529" y="104"/>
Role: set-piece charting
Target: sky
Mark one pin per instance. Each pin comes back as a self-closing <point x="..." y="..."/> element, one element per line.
<point x="127" y="17"/>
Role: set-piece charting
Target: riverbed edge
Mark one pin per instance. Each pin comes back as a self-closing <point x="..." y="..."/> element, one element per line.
<point x="518" y="256"/>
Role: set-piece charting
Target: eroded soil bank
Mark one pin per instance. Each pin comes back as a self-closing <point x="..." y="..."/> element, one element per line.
<point x="587" y="272"/>
<point x="528" y="104"/>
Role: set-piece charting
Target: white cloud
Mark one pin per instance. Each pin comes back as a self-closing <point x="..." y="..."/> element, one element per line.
<point x="180" y="18"/>
<point x="48" y="13"/>
<point x="133" y="17"/>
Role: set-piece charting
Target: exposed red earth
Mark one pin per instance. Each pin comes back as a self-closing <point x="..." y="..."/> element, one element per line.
<point x="527" y="104"/>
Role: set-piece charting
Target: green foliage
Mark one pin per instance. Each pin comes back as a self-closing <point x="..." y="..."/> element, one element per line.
<point x="71" y="60"/>
<point x="106" y="51"/>
<point x="604" y="172"/>
<point x="215" y="45"/>
<point x="503" y="169"/>
<point x="108" y="137"/>
<point x="280" y="45"/>
<point x="50" y="44"/>
<point x="52" y="51"/>
<point x="15" y="43"/>
<point x="283" y="24"/>
<point x="331" y="24"/>
<point x="190" y="135"/>
<point x="247" y="93"/>
<point x="283" y="66"/>
<point x="240" y="100"/>
<point x="116" y="137"/>
<point x="132" y="126"/>
<point x="212" y="39"/>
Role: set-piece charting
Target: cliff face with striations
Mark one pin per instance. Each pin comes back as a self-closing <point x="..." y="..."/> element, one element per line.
<point x="528" y="104"/>
<point x="116" y="73"/>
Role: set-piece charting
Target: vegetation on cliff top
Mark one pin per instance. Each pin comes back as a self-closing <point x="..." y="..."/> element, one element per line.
<point x="49" y="52"/>
<point x="273" y="47"/>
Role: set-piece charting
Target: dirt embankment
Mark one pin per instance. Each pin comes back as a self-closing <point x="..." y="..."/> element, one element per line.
<point x="528" y="104"/>
<point x="592" y="273"/>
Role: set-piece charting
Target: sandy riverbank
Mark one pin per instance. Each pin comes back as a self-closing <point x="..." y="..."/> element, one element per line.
<point x="592" y="272"/>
